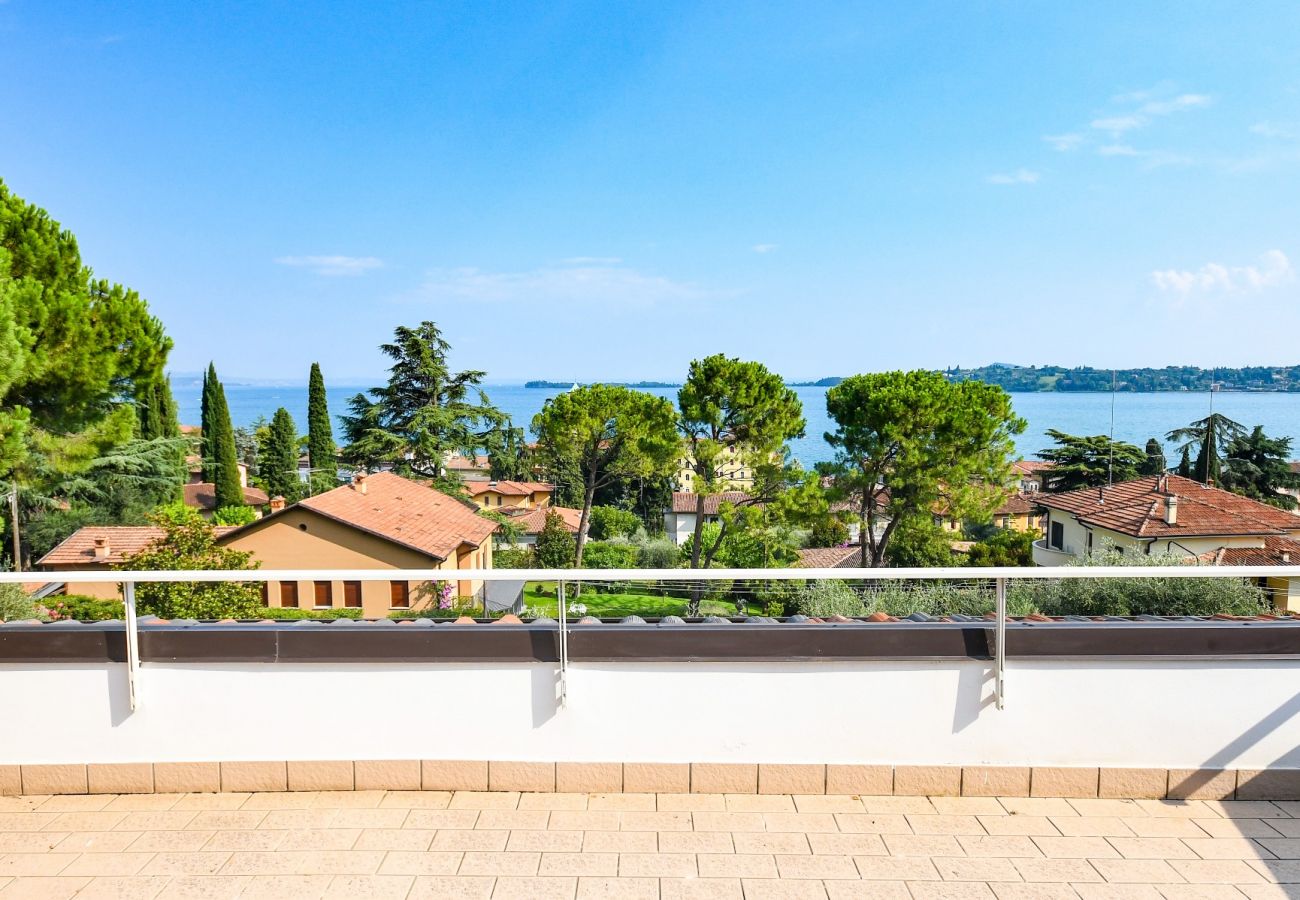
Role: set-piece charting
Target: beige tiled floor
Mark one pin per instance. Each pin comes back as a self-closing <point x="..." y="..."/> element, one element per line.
<point x="665" y="846"/>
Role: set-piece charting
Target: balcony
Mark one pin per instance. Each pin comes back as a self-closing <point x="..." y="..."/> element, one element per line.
<point x="1046" y="556"/>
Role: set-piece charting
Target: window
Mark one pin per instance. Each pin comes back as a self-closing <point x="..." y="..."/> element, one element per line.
<point x="266" y="593"/>
<point x="324" y="593"/>
<point x="352" y="594"/>
<point x="1057" y="540"/>
<point x="288" y="594"/>
<point x="399" y="594"/>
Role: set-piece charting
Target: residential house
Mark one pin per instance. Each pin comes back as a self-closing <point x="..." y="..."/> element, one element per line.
<point x="468" y="468"/>
<point x="379" y="521"/>
<point x="98" y="547"/>
<point x="1170" y="514"/>
<point x="679" y="518"/>
<point x="734" y="471"/>
<point x="1028" y="475"/>
<point x="202" y="495"/>
<point x="847" y="557"/>
<point x="1020" y="512"/>
<point x="530" y="522"/>
<point x="504" y="495"/>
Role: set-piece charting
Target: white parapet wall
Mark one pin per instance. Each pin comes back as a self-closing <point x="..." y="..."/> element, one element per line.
<point x="1197" y="714"/>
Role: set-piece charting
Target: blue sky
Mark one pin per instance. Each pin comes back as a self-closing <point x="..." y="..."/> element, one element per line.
<point x="593" y="190"/>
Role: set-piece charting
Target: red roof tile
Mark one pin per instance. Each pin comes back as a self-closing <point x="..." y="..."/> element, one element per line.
<point x="203" y="495"/>
<point x="532" y="521"/>
<point x="829" y="558"/>
<point x="1277" y="551"/>
<point x="1137" y="508"/>
<point x="1017" y="504"/>
<point x="78" y="548"/>
<point x="685" y="501"/>
<point x="508" y="488"/>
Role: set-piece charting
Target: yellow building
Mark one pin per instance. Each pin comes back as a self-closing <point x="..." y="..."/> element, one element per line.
<point x="735" y="473"/>
<point x="510" y="494"/>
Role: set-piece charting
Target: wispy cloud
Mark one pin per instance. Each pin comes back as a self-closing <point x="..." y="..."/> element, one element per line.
<point x="332" y="266"/>
<point x="1274" y="269"/>
<point x="1117" y="124"/>
<point x="580" y="280"/>
<point x="764" y="248"/>
<point x="1064" y="142"/>
<point x="1019" y="176"/>
<point x="591" y="261"/>
<point x="1276" y="131"/>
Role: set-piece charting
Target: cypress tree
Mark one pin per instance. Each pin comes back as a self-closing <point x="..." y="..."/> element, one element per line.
<point x="225" y="465"/>
<point x="208" y="423"/>
<point x="1185" y="464"/>
<point x="320" y="436"/>
<point x="1155" y="461"/>
<point x="277" y="459"/>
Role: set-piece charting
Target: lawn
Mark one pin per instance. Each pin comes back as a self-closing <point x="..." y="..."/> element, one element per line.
<point x="539" y="598"/>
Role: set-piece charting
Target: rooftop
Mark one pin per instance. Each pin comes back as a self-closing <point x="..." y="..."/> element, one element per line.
<point x="1137" y="508"/>
<point x="532" y="521"/>
<point x="203" y="495"/>
<point x="119" y="542"/>
<point x="509" y="488"/>
<point x="685" y="501"/>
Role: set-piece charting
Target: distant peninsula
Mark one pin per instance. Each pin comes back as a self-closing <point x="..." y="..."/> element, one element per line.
<point x="642" y="385"/>
<point x="1046" y="379"/>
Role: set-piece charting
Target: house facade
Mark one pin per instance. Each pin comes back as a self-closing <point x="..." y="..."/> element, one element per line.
<point x="98" y="547"/>
<point x="505" y="495"/>
<point x="734" y="472"/>
<point x="1170" y="514"/>
<point x="379" y="521"/>
<point x="679" y="517"/>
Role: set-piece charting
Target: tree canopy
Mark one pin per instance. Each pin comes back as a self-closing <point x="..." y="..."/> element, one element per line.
<point x="1209" y="437"/>
<point x="1258" y="466"/>
<point x="907" y="441"/>
<point x="1090" y="461"/>
<point x="320" y="433"/>
<point x="423" y="414"/>
<point x="277" y="458"/>
<point x="610" y="433"/>
<point x="1155" y="463"/>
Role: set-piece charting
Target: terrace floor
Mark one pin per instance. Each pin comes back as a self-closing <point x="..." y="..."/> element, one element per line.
<point x="538" y="846"/>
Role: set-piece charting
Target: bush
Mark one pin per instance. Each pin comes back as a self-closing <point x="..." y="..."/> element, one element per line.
<point x="293" y="614"/>
<point x="15" y="605"/>
<point x="1003" y="548"/>
<point x="556" y="545"/>
<point x="829" y="598"/>
<point x="83" y="608"/>
<point x="934" y="598"/>
<point x="828" y="531"/>
<point x="513" y="558"/>
<point x="462" y="606"/>
<point x="657" y="553"/>
<point x="919" y="543"/>
<point x="1139" y="596"/>
<point x="609" y="555"/>
<point x="234" y="515"/>
<point x="610" y="522"/>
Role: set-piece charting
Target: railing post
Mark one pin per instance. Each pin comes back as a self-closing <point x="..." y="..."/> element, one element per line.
<point x="1000" y="646"/>
<point x="564" y="644"/>
<point x="132" y="642"/>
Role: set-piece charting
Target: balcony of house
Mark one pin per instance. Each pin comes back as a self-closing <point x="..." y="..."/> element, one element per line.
<point x="1045" y="555"/>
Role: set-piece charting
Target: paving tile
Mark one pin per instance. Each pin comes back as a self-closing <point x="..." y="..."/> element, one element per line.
<point x="654" y="821"/>
<point x="803" y="822"/>
<point x="159" y="841"/>
<point x="484" y="800"/>
<point x="558" y="800"/>
<point x="865" y="823"/>
<point x="249" y="839"/>
<point x="211" y="801"/>
<point x="1037" y="806"/>
<point x="435" y="887"/>
<point x="107" y="864"/>
<point x="1246" y="809"/>
<point x="657" y="865"/>
<point x="1236" y="828"/>
<point x="85" y="821"/>
<point x="817" y="866"/>
<point x="1117" y="808"/>
<point x="826" y="803"/>
<point x="1284" y="827"/>
<point x="618" y="889"/>
<point x="534" y="888"/>
<point x="965" y="869"/>
<point x="226" y="819"/>
<point x="489" y="862"/>
<point x="41" y="841"/>
<point x="44" y="888"/>
<point x="1020" y="825"/>
<point x="1011" y="890"/>
<point x="185" y="863"/>
<point x="700" y="889"/>
<point x="1178" y="808"/>
<point x="416" y="800"/>
<point x="761" y="803"/>
<point x="846" y="844"/>
<point x="1165" y="827"/>
<point x="922" y="845"/>
<point x="157" y="820"/>
<point x="896" y="868"/>
<point x="906" y="806"/>
<point x="405" y="862"/>
<point x="620" y="842"/>
<point x="1280" y="871"/>
<point x="511" y="819"/>
<point x="320" y="839"/>
<point x="441" y="819"/>
<point x="128" y="886"/>
<point x="622" y="802"/>
<point x="583" y="820"/>
<point x="1001" y="845"/>
<point x="1243" y="848"/>
<point x="696" y="842"/>
<point x="1117" y="891"/>
<point x="940" y="824"/>
<point x="462" y="839"/>
<point x="1094" y="826"/>
<point x="740" y="865"/>
<point x="579" y="864"/>
<point x="778" y="889"/>
<point x="205" y="887"/>
<point x="545" y="841"/>
<point x="1056" y="870"/>
<point x="695" y="802"/>
<point x="1137" y="871"/>
<point x="21" y="864"/>
<point x="1270" y="891"/>
<point x="785" y="842"/>
<point x="1199" y="891"/>
<point x="951" y="891"/>
<point x="131" y="802"/>
<point x="92" y="841"/>
<point x="304" y="862"/>
<point x="869" y="890"/>
<point x="1218" y="871"/>
<point x="394" y="887"/>
<point x="715" y="821"/>
<point x="967" y="806"/>
<point x="276" y="887"/>
<point x="1075" y="847"/>
<point x="1152" y="848"/>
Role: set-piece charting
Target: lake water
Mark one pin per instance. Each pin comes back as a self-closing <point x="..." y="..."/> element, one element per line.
<point x="1137" y="416"/>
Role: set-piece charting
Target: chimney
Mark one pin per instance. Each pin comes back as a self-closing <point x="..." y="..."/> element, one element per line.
<point x="101" y="548"/>
<point x="1286" y="558"/>
<point x="1171" y="510"/>
<point x="277" y="504"/>
<point x="1163" y="485"/>
<point x="359" y="482"/>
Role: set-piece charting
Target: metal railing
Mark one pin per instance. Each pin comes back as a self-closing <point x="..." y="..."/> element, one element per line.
<point x="999" y="576"/>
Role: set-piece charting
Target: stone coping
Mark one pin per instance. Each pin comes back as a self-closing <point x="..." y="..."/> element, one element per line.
<point x="347" y="640"/>
<point x="651" y="777"/>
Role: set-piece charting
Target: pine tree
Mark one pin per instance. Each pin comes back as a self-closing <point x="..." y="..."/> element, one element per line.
<point x="320" y="435"/>
<point x="221" y="444"/>
<point x="156" y="408"/>
<point x="277" y="458"/>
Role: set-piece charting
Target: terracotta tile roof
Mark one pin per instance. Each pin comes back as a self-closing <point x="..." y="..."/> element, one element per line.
<point x="1137" y="508"/>
<point x="532" y="521"/>
<point x="685" y="501"/>
<point x="1018" y="504"/>
<point x="78" y="548"/>
<point x="508" y="488"/>
<point x="829" y="558"/>
<point x="458" y="463"/>
<point x="1030" y="466"/>
<point x="203" y="495"/>
<point x="402" y="511"/>
<point x="1277" y="551"/>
